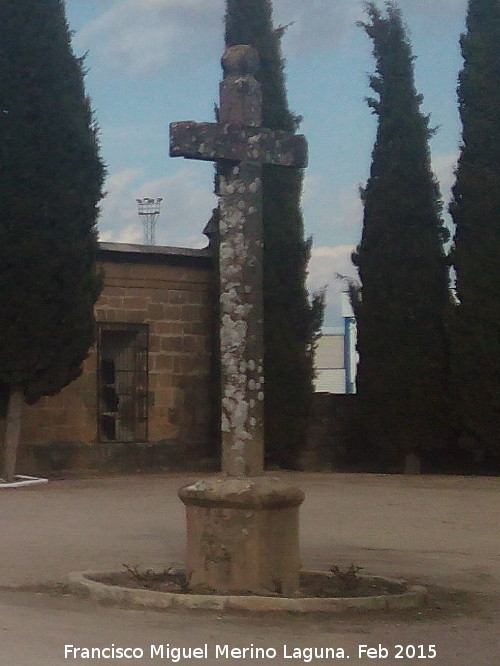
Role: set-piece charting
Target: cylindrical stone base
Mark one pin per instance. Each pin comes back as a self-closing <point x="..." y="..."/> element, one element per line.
<point x="243" y="535"/>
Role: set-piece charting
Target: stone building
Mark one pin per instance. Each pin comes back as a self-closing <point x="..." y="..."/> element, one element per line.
<point x="146" y="397"/>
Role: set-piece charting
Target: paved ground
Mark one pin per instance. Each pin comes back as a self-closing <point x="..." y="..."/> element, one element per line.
<point x="440" y="531"/>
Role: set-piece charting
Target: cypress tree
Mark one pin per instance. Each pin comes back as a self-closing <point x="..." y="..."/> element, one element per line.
<point x="475" y="209"/>
<point x="401" y="303"/>
<point x="291" y="323"/>
<point x="50" y="184"/>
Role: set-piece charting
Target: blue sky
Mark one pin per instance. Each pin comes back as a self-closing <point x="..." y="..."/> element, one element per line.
<point x="152" y="62"/>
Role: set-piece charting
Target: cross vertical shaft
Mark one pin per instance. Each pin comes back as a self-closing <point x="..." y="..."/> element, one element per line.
<point x="241" y="333"/>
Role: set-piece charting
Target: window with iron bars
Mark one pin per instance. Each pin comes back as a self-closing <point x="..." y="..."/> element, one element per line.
<point x="122" y="382"/>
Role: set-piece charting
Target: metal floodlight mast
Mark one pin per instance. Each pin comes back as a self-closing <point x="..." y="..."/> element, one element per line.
<point x="149" y="209"/>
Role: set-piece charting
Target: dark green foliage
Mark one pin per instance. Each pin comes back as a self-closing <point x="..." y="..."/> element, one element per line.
<point x="50" y="185"/>
<point x="476" y="212"/>
<point x="400" y="305"/>
<point x="290" y="322"/>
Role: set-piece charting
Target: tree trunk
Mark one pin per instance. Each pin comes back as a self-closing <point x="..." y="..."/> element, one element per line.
<point x="412" y="464"/>
<point x="12" y="431"/>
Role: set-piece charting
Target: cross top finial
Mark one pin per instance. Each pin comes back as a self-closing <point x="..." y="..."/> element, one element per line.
<point x="240" y="60"/>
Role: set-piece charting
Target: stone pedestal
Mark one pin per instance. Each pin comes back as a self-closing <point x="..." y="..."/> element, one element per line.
<point x="243" y="534"/>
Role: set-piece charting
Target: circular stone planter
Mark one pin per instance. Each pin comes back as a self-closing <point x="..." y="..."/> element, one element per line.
<point x="85" y="583"/>
<point x="22" y="480"/>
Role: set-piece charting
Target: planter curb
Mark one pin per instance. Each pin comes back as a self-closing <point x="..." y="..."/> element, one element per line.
<point x="23" y="481"/>
<point x="80" y="583"/>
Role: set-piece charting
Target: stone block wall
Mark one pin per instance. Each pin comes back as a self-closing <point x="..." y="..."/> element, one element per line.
<point x="171" y="291"/>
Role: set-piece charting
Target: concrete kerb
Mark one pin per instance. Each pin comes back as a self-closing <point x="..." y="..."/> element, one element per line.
<point x="81" y="583"/>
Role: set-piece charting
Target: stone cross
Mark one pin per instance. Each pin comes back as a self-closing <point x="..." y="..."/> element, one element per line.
<point x="240" y="146"/>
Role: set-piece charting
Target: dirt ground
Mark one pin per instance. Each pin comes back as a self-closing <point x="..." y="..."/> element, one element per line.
<point x="434" y="530"/>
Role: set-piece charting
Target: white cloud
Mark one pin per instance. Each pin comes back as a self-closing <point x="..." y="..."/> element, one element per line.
<point x="139" y="36"/>
<point x="117" y="220"/>
<point x="337" y="216"/>
<point x="443" y="166"/>
<point x="130" y="234"/>
<point x="331" y="214"/>
<point x="316" y="23"/>
<point x="186" y="207"/>
<point x="325" y="264"/>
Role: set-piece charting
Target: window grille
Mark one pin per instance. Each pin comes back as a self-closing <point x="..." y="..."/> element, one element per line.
<point x="123" y="382"/>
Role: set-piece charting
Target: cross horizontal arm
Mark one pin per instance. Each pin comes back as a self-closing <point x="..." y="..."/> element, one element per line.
<point x="212" y="142"/>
